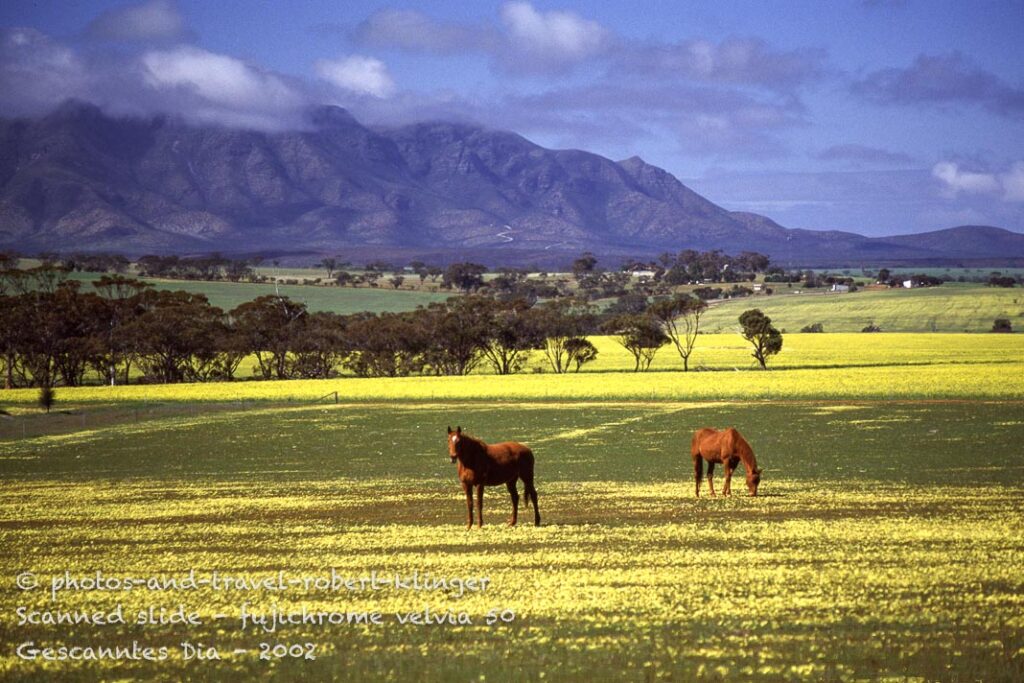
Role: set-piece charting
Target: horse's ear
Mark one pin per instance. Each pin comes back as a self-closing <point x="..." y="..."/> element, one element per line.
<point x="458" y="430"/>
<point x="449" y="429"/>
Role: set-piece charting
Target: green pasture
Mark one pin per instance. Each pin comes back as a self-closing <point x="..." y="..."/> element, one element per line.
<point x="948" y="308"/>
<point x="344" y="300"/>
<point x="884" y="544"/>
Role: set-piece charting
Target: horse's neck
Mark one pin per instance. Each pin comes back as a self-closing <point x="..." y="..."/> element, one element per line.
<point x="474" y="451"/>
<point x="747" y="455"/>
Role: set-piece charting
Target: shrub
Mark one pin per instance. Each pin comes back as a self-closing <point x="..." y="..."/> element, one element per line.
<point x="816" y="327"/>
<point x="47" y="397"/>
<point x="1002" y="325"/>
<point x="872" y="327"/>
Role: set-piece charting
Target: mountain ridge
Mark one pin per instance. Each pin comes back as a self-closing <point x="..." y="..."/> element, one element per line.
<point x="80" y="180"/>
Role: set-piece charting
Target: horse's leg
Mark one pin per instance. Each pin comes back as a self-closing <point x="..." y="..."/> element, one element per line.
<point x="729" y="465"/>
<point x="468" y="490"/>
<point x="698" y="471"/>
<point x="531" y="493"/>
<point x="480" y="505"/>
<point x="711" y="473"/>
<point x="512" y="491"/>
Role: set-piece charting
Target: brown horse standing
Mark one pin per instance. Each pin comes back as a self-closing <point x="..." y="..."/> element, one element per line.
<point x="727" y="447"/>
<point x="482" y="465"/>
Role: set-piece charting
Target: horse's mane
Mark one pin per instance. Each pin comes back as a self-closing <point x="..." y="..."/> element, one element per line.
<point x="478" y="446"/>
<point x="746" y="453"/>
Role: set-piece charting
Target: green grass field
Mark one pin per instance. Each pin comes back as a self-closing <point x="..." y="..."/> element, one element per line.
<point x="885" y="545"/>
<point x="948" y="308"/>
<point x="344" y="300"/>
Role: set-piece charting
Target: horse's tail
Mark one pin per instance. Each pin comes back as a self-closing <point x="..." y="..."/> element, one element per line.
<point x="526" y="466"/>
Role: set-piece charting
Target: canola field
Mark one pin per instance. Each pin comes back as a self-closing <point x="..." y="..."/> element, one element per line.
<point x="809" y="366"/>
<point x="885" y="543"/>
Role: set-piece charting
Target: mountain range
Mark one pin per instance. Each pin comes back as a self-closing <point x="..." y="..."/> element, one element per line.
<point x="80" y="180"/>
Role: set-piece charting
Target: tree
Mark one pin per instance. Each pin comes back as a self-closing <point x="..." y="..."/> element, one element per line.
<point x="560" y="322"/>
<point x="329" y="264"/>
<point x="514" y="331"/>
<point x="321" y="346"/>
<point x="385" y="345"/>
<point x="47" y="397"/>
<point x="124" y="302"/>
<point x="758" y="330"/>
<point x="815" y="327"/>
<point x="632" y="303"/>
<point x="176" y="338"/>
<point x="457" y="333"/>
<point x="268" y="324"/>
<point x="641" y="335"/>
<point x="584" y="265"/>
<point x="465" y="276"/>
<point x="1002" y="325"/>
<point x="679" y="318"/>
<point x="580" y="352"/>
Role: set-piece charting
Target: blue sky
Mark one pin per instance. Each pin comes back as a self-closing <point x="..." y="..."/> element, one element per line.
<point x="874" y="116"/>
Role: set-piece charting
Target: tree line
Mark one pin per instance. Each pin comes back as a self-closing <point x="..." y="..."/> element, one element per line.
<point x="56" y="331"/>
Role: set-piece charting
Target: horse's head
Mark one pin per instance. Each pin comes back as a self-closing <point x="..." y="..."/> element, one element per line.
<point x="454" y="442"/>
<point x="753" y="480"/>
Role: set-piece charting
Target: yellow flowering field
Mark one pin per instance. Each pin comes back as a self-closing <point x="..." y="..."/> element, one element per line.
<point x="885" y="544"/>
<point x="991" y="380"/>
<point x="731" y="351"/>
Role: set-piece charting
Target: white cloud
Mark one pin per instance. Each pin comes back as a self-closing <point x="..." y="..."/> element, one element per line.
<point x="227" y="89"/>
<point x="1010" y="185"/>
<point x="412" y="30"/>
<point x="36" y="72"/>
<point x="957" y="180"/>
<point x="358" y="74"/>
<point x="551" y="39"/>
<point x="1013" y="183"/>
<point x="153" y="20"/>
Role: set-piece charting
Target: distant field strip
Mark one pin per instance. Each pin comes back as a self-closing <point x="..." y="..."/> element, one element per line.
<point x="344" y="300"/>
<point x="731" y="351"/>
<point x="948" y="308"/>
<point x="987" y="381"/>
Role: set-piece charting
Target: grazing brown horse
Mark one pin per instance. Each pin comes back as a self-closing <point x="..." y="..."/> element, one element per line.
<point x="482" y="465"/>
<point x="728" y="448"/>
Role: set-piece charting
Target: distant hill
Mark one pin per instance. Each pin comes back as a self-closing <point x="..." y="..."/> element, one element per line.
<point x="78" y="179"/>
